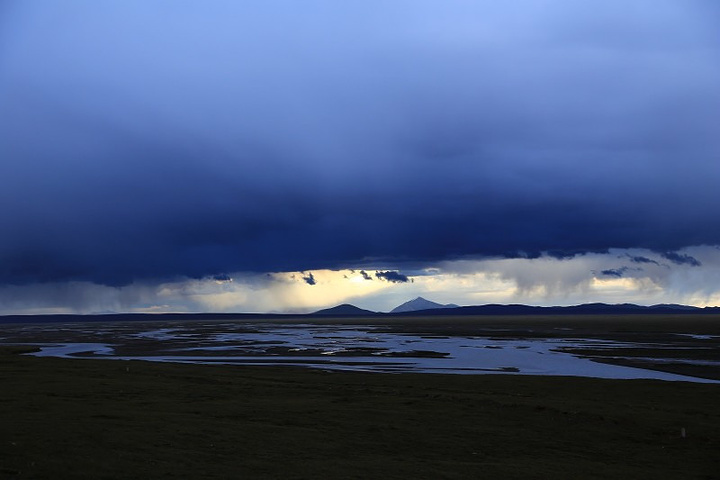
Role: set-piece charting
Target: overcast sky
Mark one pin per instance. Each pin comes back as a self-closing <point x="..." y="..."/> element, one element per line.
<point x="223" y="155"/>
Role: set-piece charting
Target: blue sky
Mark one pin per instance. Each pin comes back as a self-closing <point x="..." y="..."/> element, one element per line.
<point x="179" y="155"/>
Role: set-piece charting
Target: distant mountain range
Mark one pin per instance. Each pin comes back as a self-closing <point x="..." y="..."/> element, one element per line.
<point x="423" y="307"/>
<point x="584" y="309"/>
<point x="420" y="303"/>
<point x="416" y="307"/>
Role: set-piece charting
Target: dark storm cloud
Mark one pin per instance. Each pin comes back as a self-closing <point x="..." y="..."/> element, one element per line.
<point x="365" y="275"/>
<point x="681" y="259"/>
<point x="641" y="259"/>
<point x="393" y="277"/>
<point x="615" y="272"/>
<point x="309" y="279"/>
<point x="160" y="139"/>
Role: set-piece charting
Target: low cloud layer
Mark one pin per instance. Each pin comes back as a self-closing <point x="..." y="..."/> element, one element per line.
<point x="610" y="278"/>
<point x="145" y="142"/>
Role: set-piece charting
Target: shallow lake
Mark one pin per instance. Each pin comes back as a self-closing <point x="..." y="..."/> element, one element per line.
<point x="333" y="347"/>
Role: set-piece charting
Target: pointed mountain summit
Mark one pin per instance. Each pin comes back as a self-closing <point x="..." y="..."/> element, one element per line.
<point x="420" y="303"/>
<point x="344" y="309"/>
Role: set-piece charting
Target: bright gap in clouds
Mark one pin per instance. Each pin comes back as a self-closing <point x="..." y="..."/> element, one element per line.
<point x="691" y="276"/>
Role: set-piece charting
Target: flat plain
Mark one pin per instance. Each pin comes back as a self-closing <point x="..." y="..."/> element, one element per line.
<point x="113" y="419"/>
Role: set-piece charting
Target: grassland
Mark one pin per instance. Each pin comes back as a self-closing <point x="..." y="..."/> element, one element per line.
<point x="95" y="419"/>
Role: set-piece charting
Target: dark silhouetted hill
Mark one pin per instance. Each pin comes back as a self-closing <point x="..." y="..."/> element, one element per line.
<point x="420" y="303"/>
<point x="344" y="310"/>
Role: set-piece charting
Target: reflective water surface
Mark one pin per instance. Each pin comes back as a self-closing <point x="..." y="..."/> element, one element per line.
<point x="339" y="347"/>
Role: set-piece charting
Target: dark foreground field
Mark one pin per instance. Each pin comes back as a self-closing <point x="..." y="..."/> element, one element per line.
<point x="96" y="419"/>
